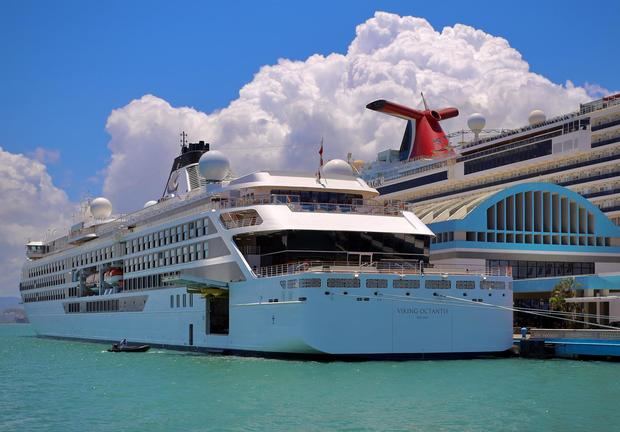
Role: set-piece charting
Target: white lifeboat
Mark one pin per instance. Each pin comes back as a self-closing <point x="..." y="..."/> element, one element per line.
<point x="114" y="276"/>
<point x="91" y="280"/>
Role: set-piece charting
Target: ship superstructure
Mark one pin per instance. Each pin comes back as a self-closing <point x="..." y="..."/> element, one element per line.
<point x="272" y="262"/>
<point x="578" y="150"/>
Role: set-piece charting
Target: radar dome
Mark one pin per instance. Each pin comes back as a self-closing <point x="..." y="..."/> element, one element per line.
<point x="476" y="122"/>
<point x="214" y="166"/>
<point x="337" y="167"/>
<point x="149" y="203"/>
<point x="100" y="208"/>
<point x="536" y="117"/>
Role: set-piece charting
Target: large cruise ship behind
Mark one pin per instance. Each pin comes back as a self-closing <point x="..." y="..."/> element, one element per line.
<point x="579" y="150"/>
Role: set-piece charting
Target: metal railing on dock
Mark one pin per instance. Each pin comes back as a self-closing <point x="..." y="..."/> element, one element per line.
<point x="574" y="334"/>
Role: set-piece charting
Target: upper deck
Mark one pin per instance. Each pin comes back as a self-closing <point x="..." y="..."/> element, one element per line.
<point x="303" y="193"/>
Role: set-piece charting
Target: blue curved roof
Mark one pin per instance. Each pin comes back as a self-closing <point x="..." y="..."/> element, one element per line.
<point x="525" y="214"/>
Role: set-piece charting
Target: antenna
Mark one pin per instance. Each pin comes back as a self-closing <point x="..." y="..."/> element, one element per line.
<point x="424" y="101"/>
<point x="183" y="139"/>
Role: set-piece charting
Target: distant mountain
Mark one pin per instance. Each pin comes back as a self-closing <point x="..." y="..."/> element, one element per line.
<point x="11" y="311"/>
<point x="13" y="315"/>
<point x="9" y="302"/>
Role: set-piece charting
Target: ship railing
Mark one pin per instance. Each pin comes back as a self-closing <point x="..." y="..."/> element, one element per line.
<point x="401" y="268"/>
<point x="359" y="206"/>
<point x="547" y="122"/>
<point x="600" y="104"/>
<point x="242" y="222"/>
<point x="366" y="209"/>
<point x="293" y="202"/>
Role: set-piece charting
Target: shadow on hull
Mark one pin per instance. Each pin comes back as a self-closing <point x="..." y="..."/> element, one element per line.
<point x="326" y="358"/>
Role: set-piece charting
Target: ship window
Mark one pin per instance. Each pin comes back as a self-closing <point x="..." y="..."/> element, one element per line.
<point x="376" y="283"/>
<point x="485" y="284"/>
<point x="437" y="284"/>
<point x="184" y="300"/>
<point x="343" y="283"/>
<point x="178" y="300"/>
<point x="310" y="283"/>
<point x="191" y="300"/>
<point x="465" y="284"/>
<point x="406" y="283"/>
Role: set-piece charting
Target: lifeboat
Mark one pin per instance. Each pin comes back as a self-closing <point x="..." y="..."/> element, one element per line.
<point x="91" y="280"/>
<point x="114" y="276"/>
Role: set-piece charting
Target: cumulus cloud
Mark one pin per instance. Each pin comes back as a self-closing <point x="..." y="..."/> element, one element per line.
<point x="280" y="116"/>
<point x="31" y="205"/>
<point x="45" y="156"/>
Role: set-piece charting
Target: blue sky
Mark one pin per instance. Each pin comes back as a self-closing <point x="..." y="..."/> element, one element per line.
<point x="67" y="64"/>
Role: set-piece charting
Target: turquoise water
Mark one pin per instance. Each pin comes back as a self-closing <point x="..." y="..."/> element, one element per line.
<point x="49" y="385"/>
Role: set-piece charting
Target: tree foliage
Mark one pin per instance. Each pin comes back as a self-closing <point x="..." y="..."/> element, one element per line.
<point x="566" y="288"/>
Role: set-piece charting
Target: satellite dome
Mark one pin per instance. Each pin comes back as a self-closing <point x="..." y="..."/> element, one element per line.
<point x="149" y="203"/>
<point x="536" y="117"/>
<point x="476" y="122"/>
<point x="100" y="208"/>
<point x="214" y="166"/>
<point x="337" y="167"/>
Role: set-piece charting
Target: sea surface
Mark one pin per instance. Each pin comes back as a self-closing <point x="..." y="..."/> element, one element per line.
<point x="51" y="385"/>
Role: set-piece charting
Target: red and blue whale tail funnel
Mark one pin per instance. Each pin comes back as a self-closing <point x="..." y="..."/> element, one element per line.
<point x="430" y="140"/>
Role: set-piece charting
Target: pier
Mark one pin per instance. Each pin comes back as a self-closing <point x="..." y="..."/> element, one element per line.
<point x="570" y="343"/>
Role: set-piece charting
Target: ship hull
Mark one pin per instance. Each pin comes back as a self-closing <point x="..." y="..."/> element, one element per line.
<point x="268" y="320"/>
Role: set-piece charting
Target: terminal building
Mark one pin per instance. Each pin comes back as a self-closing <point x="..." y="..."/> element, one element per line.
<point x="540" y="232"/>
<point x="542" y="200"/>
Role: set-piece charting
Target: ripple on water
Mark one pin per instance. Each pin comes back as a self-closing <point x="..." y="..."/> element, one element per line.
<point x="74" y="386"/>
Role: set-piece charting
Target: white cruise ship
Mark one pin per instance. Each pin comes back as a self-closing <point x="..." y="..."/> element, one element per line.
<point x="579" y="150"/>
<point x="271" y="263"/>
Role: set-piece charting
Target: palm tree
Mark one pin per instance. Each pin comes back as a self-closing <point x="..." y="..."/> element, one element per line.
<point x="565" y="288"/>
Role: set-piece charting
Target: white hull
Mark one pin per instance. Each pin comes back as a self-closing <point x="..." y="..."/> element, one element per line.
<point x="294" y="275"/>
<point x="387" y="324"/>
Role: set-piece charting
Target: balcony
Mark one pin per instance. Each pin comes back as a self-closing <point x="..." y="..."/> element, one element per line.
<point x="605" y="125"/>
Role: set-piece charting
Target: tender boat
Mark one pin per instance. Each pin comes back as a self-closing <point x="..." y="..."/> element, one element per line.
<point x="129" y="348"/>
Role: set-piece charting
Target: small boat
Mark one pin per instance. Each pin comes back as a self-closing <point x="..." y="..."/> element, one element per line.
<point x="129" y="348"/>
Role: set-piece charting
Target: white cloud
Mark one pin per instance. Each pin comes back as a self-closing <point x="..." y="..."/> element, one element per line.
<point x="31" y="205"/>
<point x="45" y="156"/>
<point x="279" y="117"/>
